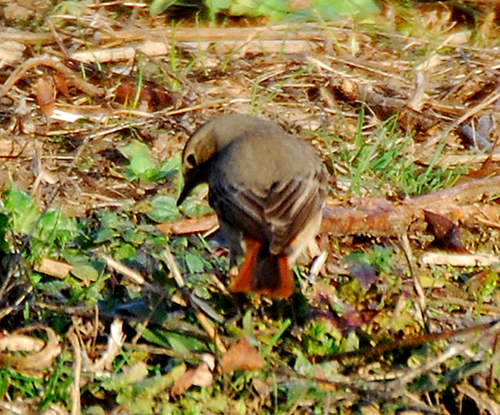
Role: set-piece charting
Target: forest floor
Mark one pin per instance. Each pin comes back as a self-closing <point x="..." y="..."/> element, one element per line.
<point x="113" y="300"/>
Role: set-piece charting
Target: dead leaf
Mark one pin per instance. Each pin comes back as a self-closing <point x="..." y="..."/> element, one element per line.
<point x="61" y="84"/>
<point x="420" y="98"/>
<point x="155" y="96"/>
<point x="475" y="285"/>
<point x="188" y="226"/>
<point x="447" y="232"/>
<point x="200" y="376"/>
<point x="365" y="274"/>
<point x="45" y="96"/>
<point x="242" y="356"/>
<point x="386" y="106"/>
<point x="354" y="319"/>
<point x="488" y="168"/>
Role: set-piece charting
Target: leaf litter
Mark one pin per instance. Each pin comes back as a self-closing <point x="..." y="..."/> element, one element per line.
<point x="89" y="120"/>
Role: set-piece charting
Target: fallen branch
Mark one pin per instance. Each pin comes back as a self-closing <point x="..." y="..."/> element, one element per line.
<point x="69" y="75"/>
<point x="380" y="217"/>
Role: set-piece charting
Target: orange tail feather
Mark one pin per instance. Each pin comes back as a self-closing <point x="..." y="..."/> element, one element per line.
<point x="263" y="273"/>
<point x="286" y="285"/>
<point x="242" y="283"/>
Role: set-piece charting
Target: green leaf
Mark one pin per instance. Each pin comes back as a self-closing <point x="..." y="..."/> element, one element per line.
<point x="53" y="287"/>
<point x="124" y="251"/>
<point x="350" y="7"/>
<point x="136" y="392"/>
<point x="140" y="165"/>
<point x="169" y="167"/>
<point x="22" y="210"/>
<point x="159" y="6"/>
<point x="106" y="234"/>
<point x="134" y="237"/>
<point x="85" y="272"/>
<point x="195" y="209"/>
<point x="274" y="9"/>
<point x="334" y="10"/>
<point x="248" y="324"/>
<point x="111" y="227"/>
<point x="4" y="222"/>
<point x="320" y="338"/>
<point x="175" y="341"/>
<point x="110" y="220"/>
<point x="134" y="374"/>
<point x="302" y="365"/>
<point x="195" y="264"/>
<point x="164" y="209"/>
<point x="53" y="232"/>
<point x="217" y="6"/>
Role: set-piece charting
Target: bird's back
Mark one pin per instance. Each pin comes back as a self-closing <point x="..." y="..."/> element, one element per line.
<point x="268" y="184"/>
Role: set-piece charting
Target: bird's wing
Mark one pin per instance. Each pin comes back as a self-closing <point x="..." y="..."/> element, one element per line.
<point x="273" y="215"/>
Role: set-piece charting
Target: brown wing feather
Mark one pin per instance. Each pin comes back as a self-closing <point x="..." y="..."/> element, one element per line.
<point x="274" y="215"/>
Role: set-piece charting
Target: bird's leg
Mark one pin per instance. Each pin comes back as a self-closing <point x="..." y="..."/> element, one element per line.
<point x="233" y="263"/>
<point x="234" y="239"/>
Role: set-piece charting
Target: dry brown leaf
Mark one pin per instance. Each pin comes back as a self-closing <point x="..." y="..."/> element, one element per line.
<point x="446" y="232"/>
<point x="62" y="69"/>
<point x="187" y="226"/>
<point x="45" y="96"/>
<point x="489" y="167"/>
<point x="200" y="376"/>
<point x="386" y="106"/>
<point x="242" y="356"/>
<point x="155" y="96"/>
<point x="61" y="84"/>
<point x="183" y="383"/>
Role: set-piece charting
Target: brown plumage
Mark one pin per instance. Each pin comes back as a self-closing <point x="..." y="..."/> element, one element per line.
<point x="267" y="188"/>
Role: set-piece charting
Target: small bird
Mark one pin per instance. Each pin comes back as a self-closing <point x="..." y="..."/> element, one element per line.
<point x="267" y="188"/>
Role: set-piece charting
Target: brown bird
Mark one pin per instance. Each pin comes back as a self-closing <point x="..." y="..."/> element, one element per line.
<point x="267" y="188"/>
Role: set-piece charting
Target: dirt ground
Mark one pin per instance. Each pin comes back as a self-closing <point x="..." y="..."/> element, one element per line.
<point x="402" y="110"/>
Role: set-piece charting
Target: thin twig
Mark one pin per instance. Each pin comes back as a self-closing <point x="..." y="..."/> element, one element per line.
<point x="422" y="306"/>
<point x="77" y="372"/>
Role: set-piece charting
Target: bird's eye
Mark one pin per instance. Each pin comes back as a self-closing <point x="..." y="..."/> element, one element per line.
<point x="274" y="186"/>
<point x="191" y="160"/>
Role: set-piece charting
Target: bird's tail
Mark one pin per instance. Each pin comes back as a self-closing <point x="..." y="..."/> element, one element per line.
<point x="263" y="273"/>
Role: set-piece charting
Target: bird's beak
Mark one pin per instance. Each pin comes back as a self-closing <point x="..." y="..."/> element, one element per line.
<point x="184" y="193"/>
<point x="193" y="178"/>
<point x="190" y="182"/>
